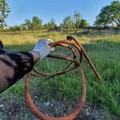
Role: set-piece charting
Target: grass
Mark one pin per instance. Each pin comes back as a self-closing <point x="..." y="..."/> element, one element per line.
<point x="104" y="51"/>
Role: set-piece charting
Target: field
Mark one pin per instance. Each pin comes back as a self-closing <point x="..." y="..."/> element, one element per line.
<point x="59" y="95"/>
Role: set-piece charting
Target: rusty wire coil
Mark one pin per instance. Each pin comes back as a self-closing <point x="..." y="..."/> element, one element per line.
<point x="75" y="62"/>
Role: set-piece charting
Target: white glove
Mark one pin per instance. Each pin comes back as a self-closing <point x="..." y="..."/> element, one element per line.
<point x="43" y="48"/>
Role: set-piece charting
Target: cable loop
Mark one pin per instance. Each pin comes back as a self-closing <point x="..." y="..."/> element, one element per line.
<point x="75" y="62"/>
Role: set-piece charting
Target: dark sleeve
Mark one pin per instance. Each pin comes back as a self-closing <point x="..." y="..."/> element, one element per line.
<point x="14" y="66"/>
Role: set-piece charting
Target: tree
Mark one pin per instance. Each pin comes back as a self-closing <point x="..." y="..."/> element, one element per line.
<point x="67" y="23"/>
<point x="77" y="20"/>
<point x="16" y="28"/>
<point x="84" y="23"/>
<point x="4" y="9"/>
<point x="109" y="14"/>
<point x="23" y="27"/>
<point x="36" y="23"/>
<point x="51" y="25"/>
<point x="28" y="24"/>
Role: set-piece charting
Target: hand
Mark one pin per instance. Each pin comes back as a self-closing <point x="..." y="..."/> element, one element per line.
<point x="43" y="47"/>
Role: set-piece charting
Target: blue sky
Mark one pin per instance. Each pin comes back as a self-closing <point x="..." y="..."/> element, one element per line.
<point x="56" y="9"/>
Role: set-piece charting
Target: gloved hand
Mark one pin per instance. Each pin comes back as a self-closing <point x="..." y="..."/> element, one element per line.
<point x="43" y="47"/>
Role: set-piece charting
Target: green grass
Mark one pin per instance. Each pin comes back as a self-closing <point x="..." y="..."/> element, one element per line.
<point x="103" y="50"/>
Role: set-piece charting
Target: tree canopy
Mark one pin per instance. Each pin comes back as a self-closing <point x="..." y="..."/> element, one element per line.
<point x="77" y="20"/>
<point x="4" y="10"/>
<point x="67" y="23"/>
<point x="50" y="25"/>
<point x="109" y="15"/>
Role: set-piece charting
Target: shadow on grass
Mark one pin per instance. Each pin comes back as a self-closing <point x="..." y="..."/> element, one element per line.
<point x="105" y="56"/>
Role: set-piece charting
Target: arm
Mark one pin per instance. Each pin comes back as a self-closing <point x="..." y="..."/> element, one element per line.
<point x="36" y="56"/>
<point x="14" y="66"/>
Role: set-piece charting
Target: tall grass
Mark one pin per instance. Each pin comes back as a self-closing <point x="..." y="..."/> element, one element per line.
<point x="104" y="51"/>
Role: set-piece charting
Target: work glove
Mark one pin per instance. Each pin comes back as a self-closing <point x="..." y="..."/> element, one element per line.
<point x="43" y="47"/>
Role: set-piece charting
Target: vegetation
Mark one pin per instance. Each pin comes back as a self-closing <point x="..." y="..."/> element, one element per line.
<point x="51" y="25"/>
<point x="62" y="92"/>
<point x="109" y="14"/>
<point x="4" y="9"/>
<point x="59" y="95"/>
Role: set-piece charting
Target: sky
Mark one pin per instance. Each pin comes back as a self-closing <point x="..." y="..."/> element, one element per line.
<point x="56" y="9"/>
